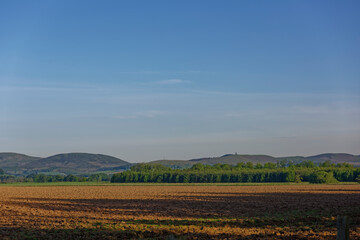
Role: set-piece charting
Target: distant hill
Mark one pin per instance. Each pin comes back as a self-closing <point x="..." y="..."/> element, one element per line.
<point x="176" y="164"/>
<point x="234" y="159"/>
<point x="336" y="158"/>
<point x="77" y="163"/>
<point x="8" y="159"/>
<point x="86" y="163"/>
<point x="294" y="159"/>
<point x="14" y="163"/>
<point x="68" y="163"/>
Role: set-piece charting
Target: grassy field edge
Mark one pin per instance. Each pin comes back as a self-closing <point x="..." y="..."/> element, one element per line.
<point x="32" y="184"/>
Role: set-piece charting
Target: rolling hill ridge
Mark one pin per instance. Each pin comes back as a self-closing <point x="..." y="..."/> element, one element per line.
<point x="86" y="163"/>
<point x="65" y="163"/>
<point x="234" y="159"/>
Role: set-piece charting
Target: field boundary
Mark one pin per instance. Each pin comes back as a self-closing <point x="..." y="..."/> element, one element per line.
<point x="33" y="184"/>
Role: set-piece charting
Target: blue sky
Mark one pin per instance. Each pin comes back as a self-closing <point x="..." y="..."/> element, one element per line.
<point x="146" y="80"/>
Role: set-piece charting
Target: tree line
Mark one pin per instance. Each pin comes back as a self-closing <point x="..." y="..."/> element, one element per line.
<point x="283" y="171"/>
<point x="42" y="178"/>
<point x="242" y="173"/>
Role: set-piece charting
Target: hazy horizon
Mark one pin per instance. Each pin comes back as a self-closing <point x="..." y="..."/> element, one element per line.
<point x="191" y="158"/>
<point x="148" y="80"/>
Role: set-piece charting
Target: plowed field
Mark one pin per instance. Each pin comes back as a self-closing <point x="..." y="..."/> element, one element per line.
<point x="177" y="212"/>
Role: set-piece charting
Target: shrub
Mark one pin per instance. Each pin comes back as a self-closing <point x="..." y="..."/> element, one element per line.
<point x="322" y="177"/>
<point x="357" y="179"/>
<point x="290" y="177"/>
<point x="298" y="178"/>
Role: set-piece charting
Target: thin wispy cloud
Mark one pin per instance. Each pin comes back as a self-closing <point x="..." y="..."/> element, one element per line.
<point x="172" y="82"/>
<point x="38" y="88"/>
<point x="141" y="115"/>
<point x="44" y="86"/>
<point x="159" y="72"/>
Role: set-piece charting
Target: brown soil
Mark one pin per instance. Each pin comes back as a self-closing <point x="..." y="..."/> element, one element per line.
<point x="180" y="212"/>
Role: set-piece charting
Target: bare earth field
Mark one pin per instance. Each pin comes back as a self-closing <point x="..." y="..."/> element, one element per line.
<point x="177" y="212"/>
